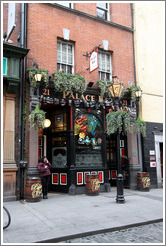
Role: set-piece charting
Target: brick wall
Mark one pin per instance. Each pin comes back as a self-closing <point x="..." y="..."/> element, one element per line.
<point x="85" y="33"/>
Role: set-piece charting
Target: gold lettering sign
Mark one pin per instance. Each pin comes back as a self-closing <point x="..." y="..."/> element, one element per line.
<point x="87" y="98"/>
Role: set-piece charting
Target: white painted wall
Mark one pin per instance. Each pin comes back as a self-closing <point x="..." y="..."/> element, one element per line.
<point x="149" y="38"/>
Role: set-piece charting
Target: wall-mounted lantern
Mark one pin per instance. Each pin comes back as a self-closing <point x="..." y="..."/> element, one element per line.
<point x="46" y="123"/>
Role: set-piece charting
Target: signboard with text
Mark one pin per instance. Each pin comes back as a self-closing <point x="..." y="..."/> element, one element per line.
<point x="94" y="63"/>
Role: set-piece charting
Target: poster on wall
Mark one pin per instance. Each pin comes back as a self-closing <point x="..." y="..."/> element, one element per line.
<point x="152" y="164"/>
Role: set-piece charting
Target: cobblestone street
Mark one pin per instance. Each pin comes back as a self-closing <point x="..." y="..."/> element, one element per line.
<point x="152" y="233"/>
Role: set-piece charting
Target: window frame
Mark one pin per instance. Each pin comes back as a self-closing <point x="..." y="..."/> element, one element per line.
<point x="105" y="72"/>
<point x="63" y="63"/>
<point x="106" y="10"/>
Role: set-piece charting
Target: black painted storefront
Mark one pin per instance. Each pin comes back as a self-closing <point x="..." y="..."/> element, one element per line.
<point x="76" y="142"/>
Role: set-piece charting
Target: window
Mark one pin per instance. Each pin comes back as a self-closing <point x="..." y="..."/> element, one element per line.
<point x="65" y="57"/>
<point x="5" y="66"/>
<point x="103" y="10"/>
<point x="105" y="67"/>
<point x="88" y="141"/>
<point x="69" y="5"/>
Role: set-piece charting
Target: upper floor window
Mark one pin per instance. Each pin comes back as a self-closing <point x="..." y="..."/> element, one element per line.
<point x="65" y="57"/>
<point x="103" y="11"/>
<point x="69" y="5"/>
<point x="105" y="67"/>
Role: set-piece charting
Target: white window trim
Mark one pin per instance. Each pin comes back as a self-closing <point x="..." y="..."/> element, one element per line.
<point x="67" y="43"/>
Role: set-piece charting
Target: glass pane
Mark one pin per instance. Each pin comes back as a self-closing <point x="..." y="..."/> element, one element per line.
<point x="69" y="69"/>
<point x="103" y="66"/>
<point x="101" y="14"/>
<point x="58" y="56"/>
<point x="100" y="65"/>
<point x="64" y="48"/>
<point x="88" y="141"/>
<point x="65" y="4"/>
<point x="58" y="66"/>
<point x="64" y="58"/>
<point x="103" y="57"/>
<point x="107" y="76"/>
<point x="108" y="58"/>
<point x="58" y="46"/>
<point x="108" y="67"/>
<point x="70" y="59"/>
<point x="102" y="5"/>
<point x="63" y="68"/>
<point x="70" y="49"/>
<point x="102" y="76"/>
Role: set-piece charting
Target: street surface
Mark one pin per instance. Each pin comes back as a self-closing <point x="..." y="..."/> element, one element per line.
<point x="152" y="233"/>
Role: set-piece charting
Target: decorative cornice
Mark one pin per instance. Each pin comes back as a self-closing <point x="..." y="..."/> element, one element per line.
<point x="14" y="51"/>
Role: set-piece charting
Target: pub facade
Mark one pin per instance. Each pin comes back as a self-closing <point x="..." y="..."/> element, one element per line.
<point x="76" y="142"/>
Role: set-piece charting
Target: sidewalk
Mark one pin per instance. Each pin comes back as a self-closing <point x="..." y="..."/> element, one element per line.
<point x="63" y="216"/>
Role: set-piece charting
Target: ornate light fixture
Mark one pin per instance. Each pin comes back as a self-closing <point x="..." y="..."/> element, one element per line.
<point x="138" y="93"/>
<point x="116" y="89"/>
<point x="38" y="77"/>
<point x="46" y="123"/>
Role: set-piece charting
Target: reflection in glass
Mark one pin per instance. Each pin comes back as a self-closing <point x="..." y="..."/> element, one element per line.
<point x="88" y="141"/>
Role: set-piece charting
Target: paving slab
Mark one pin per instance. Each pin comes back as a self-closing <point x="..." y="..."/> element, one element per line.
<point x="64" y="216"/>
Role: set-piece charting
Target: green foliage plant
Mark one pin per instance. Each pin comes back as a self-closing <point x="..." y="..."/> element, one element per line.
<point x="68" y="82"/>
<point x="31" y="75"/>
<point x="36" y="118"/>
<point x="103" y="85"/>
<point x="139" y="126"/>
<point x="118" y="120"/>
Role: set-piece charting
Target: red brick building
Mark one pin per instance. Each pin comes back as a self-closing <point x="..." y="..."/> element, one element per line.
<point x="60" y="37"/>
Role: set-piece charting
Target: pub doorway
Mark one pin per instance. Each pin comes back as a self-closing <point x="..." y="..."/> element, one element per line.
<point x="112" y="157"/>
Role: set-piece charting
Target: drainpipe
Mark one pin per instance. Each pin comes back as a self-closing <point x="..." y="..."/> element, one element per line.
<point x="20" y="174"/>
<point x="132" y="17"/>
<point x="139" y="135"/>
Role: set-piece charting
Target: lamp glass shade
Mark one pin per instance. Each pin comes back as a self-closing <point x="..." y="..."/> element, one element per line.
<point x="38" y="77"/>
<point x="46" y="123"/>
<point x="116" y="89"/>
<point x="138" y="93"/>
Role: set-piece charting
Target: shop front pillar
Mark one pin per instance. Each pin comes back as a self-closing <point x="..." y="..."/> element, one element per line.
<point x="72" y="171"/>
<point x="134" y="165"/>
<point x="32" y="170"/>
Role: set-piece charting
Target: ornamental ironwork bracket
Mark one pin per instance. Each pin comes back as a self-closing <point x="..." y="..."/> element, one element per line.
<point x="87" y="55"/>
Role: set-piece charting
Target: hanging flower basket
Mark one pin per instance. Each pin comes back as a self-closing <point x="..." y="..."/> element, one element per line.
<point x="36" y="118"/>
<point x="68" y="82"/>
<point x="31" y="75"/>
<point x="118" y="120"/>
<point x="130" y="91"/>
<point x="139" y="126"/>
<point x="103" y="85"/>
